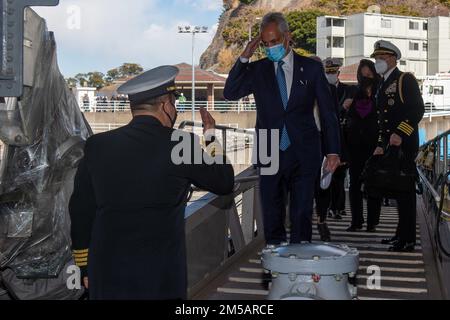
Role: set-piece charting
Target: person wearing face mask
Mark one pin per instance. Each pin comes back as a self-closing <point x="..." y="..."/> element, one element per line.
<point x="361" y="137"/>
<point x="341" y="92"/>
<point x="286" y="86"/>
<point x="129" y="198"/>
<point x="400" y="108"/>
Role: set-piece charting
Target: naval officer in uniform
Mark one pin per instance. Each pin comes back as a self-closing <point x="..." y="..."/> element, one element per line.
<point x="127" y="207"/>
<point x="400" y="109"/>
<point x="341" y="93"/>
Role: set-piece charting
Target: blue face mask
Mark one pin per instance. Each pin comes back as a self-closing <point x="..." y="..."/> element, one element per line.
<point x="276" y="53"/>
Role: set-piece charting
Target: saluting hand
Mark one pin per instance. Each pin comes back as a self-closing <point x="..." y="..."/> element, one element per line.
<point x="208" y="121"/>
<point x="251" y="47"/>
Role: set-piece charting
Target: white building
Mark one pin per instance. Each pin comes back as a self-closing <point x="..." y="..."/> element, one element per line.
<point x="85" y="96"/>
<point x="439" y="45"/>
<point x="423" y="42"/>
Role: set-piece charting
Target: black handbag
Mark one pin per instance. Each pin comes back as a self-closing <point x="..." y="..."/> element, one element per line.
<point x="386" y="176"/>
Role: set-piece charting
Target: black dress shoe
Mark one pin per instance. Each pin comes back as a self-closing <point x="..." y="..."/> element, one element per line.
<point x="371" y="229"/>
<point x="324" y="232"/>
<point x="336" y="216"/>
<point x="266" y="280"/>
<point x="342" y="213"/>
<point x="354" y="228"/>
<point x="401" y="246"/>
<point x="392" y="240"/>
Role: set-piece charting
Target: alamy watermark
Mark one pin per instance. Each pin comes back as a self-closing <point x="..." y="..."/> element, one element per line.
<point x="188" y="150"/>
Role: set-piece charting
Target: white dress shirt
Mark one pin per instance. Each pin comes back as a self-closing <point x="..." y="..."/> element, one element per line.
<point x="288" y="69"/>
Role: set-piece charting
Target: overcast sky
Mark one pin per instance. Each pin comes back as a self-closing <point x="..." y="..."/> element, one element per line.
<point x="98" y="35"/>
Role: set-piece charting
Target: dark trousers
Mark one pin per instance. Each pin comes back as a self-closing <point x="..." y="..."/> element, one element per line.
<point x="359" y="156"/>
<point x="406" y="204"/>
<point x="323" y="200"/>
<point x="338" y="189"/>
<point x="293" y="183"/>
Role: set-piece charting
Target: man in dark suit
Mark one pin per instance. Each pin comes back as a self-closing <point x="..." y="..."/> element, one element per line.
<point x="286" y="86"/>
<point x="341" y="92"/>
<point x="127" y="207"/>
<point x="400" y="109"/>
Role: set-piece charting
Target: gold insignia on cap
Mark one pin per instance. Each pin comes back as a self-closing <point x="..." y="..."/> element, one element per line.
<point x="173" y="88"/>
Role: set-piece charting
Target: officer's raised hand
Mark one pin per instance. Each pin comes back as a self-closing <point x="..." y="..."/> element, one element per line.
<point x="209" y="124"/>
<point x="251" y="48"/>
<point x="395" y="140"/>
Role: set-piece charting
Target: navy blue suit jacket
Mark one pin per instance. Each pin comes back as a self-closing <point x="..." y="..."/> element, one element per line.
<point x="309" y="85"/>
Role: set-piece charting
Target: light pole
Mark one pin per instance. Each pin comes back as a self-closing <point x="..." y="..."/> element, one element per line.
<point x="193" y="30"/>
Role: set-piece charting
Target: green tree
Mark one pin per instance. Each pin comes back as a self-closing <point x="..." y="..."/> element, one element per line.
<point x="71" y="82"/>
<point x="130" y="69"/>
<point x="112" y="75"/>
<point x="82" y="79"/>
<point x="96" y="79"/>
<point x="303" y="28"/>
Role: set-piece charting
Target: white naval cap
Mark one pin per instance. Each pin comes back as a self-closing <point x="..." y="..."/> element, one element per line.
<point x="332" y="64"/>
<point x="386" y="47"/>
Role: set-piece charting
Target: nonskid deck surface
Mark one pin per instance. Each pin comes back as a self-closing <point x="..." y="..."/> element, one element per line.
<point x="403" y="275"/>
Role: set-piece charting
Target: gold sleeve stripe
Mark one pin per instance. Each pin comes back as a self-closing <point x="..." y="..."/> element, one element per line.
<point x="82" y="264"/>
<point x="214" y="149"/>
<point x="405" y="131"/>
<point x="406" y="128"/>
<point x="80" y="251"/>
<point x="407" y="125"/>
<point x="81" y="260"/>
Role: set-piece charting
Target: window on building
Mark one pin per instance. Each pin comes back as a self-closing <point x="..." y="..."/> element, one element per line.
<point x="329" y="22"/>
<point x="414" y="25"/>
<point x="328" y="42"/>
<point x="402" y="62"/>
<point x="386" y="23"/>
<point x="338" y="42"/>
<point x="438" y="90"/>
<point x="425" y="26"/>
<point x="425" y="46"/>
<point x="413" y="46"/>
<point x="338" y="22"/>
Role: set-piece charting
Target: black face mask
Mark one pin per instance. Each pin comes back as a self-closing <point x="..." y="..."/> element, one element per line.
<point x="366" y="82"/>
<point x="172" y="121"/>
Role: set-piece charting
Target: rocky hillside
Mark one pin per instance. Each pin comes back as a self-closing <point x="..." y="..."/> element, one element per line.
<point x="239" y="15"/>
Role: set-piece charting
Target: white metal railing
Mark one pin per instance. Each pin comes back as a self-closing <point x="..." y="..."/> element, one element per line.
<point x="432" y="111"/>
<point x="122" y="106"/>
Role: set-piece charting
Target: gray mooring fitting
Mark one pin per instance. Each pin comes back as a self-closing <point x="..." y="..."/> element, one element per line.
<point x="311" y="271"/>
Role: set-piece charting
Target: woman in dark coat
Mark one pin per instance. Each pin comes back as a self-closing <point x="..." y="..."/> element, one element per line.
<point x="361" y="137"/>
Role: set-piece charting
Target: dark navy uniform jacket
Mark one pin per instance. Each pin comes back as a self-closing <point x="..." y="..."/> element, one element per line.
<point x="400" y="109"/>
<point x="127" y="211"/>
<point x="309" y="85"/>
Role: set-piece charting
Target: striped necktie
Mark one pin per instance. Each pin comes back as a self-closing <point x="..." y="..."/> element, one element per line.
<point x="285" y="142"/>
